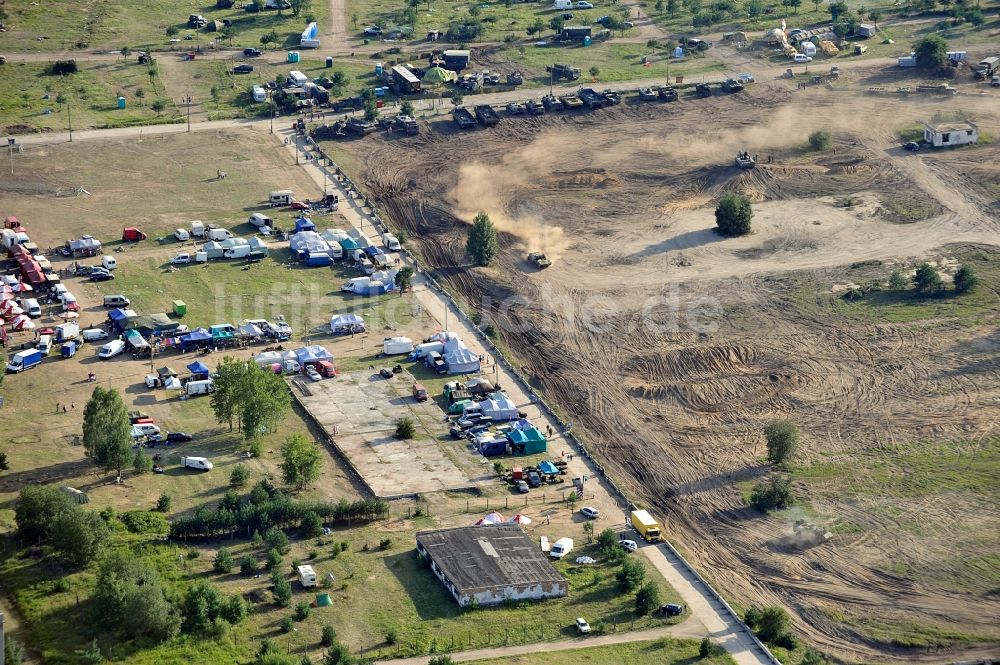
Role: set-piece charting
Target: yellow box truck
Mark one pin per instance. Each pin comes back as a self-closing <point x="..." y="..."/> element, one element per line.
<point x="647" y="527"/>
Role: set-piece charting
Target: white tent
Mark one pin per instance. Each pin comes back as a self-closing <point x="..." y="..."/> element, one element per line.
<point x="499" y="407"/>
<point x="346" y="322"/>
<point x="490" y="518"/>
<point x="458" y="358"/>
<point x="250" y="330"/>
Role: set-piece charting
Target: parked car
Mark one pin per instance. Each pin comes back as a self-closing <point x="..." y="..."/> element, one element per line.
<point x="582" y="4"/>
<point x="522" y="487"/>
<point x="419" y="392"/>
<point x="373" y="31"/>
<point x="912" y="146"/>
<point x="252" y="52"/>
<point x="582" y="626"/>
<point x="111" y="349"/>
<point x="101" y="276"/>
<point x="301" y="205"/>
<point x="630" y="545"/>
<point x="313" y="374"/>
<point x="178" y="437"/>
<point x="243" y="68"/>
<point x="94" y="334"/>
<point x="590" y="513"/>
<point x="567" y="16"/>
<point x="534" y="479"/>
<point x="180" y="259"/>
<point x="671" y="610"/>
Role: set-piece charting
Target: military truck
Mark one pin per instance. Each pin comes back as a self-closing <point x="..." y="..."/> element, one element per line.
<point x="486" y="116"/>
<point x="703" y="90"/>
<point x="463" y="118"/>
<point x="405" y="125"/>
<point x="571" y="102"/>
<point x="539" y="260"/>
<point x="666" y="93"/>
<point x="592" y="99"/>
<point x="732" y="85"/>
<point x="552" y="103"/>
<point x="534" y="108"/>
<point x="560" y="72"/>
<point x="515" y="78"/>
<point x="745" y="160"/>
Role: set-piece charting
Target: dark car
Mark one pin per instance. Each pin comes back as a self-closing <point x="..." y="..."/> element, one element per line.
<point x="522" y="487"/>
<point x="101" y="277"/>
<point x="567" y="16"/>
<point x="243" y="68"/>
<point x="912" y="146"/>
<point x="534" y="479"/>
<point x="252" y="52"/>
<point x="456" y="432"/>
<point x="178" y="437"/>
<point x="373" y="31"/>
<point x="671" y="610"/>
<point x="385" y="373"/>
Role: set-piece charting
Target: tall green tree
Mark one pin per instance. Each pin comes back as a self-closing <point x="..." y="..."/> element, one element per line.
<point x="931" y="52"/>
<point x="483" y="244"/>
<point x="255" y="398"/>
<point x="301" y="461"/>
<point x="37" y="508"/>
<point x="647" y="599"/>
<point x="927" y="280"/>
<point x="298" y="6"/>
<point x="631" y="575"/>
<point x="966" y="280"/>
<point x="107" y="430"/>
<point x="79" y="535"/>
<point x="782" y="439"/>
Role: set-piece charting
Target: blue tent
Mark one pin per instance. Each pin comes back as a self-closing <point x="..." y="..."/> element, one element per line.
<point x="120" y="317"/>
<point x="304" y="224"/>
<point x="196" y="337"/>
<point x="198" y="367"/>
<point x="373" y="251"/>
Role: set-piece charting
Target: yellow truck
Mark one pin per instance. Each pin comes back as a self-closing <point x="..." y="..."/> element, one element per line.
<point x="647" y="527"/>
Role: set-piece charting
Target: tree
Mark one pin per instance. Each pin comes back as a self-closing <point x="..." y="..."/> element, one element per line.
<point x="298" y="6"/>
<point x="142" y="463"/>
<point x="772" y="624"/>
<point x="733" y="215"/>
<point x="441" y="659"/>
<point x="772" y="494"/>
<point x="371" y="109"/>
<point x="607" y="540"/>
<point x="312" y="525"/>
<point x="595" y="71"/>
<point x="128" y="598"/>
<point x="535" y="27"/>
<point x="897" y="280"/>
<point x="338" y="654"/>
<point x="139" y="94"/>
<point x="966" y="280"/>
<point x="647" y="599"/>
<point x="79" y="535"/>
<point x="282" y="589"/>
<point x="812" y="657"/>
<point x="782" y="439"/>
<point x="125" y="51"/>
<point x="406" y="107"/>
<point x="819" y="140"/>
<point x="163" y="503"/>
<point x="838" y="9"/>
<point x="588" y="530"/>
<point x="37" y="508"/>
<point x="631" y="575"/>
<point x="254" y="398"/>
<point x="457" y="97"/>
<point x="328" y="636"/>
<point x="557" y="23"/>
<point x="404" y="279"/>
<point x="483" y="244"/>
<point x="927" y="280"/>
<point x="158" y="105"/>
<point x="874" y="15"/>
<point x="223" y="562"/>
<point x="795" y="4"/>
<point x="405" y="428"/>
<point x="277" y="540"/>
<point x="302" y="461"/>
<point x="239" y="475"/>
<point x="755" y="8"/>
<point x="931" y="52"/>
<point x="172" y="30"/>
<point x="708" y="649"/>
<point x="107" y="430"/>
<point x="248" y="565"/>
<point x="671" y="7"/>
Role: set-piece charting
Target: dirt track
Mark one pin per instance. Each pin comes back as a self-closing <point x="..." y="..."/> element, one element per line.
<point x="670" y="348"/>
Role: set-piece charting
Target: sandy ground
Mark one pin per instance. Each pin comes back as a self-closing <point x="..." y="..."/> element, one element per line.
<point x="670" y="348"/>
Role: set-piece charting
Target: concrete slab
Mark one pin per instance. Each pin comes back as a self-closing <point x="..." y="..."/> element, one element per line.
<point x="358" y="411"/>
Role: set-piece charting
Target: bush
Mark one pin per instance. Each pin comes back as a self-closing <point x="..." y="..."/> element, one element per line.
<point x="927" y="280"/>
<point x="248" y="566"/>
<point x="302" y="611"/>
<point x="312" y="525"/>
<point x="648" y="599"/>
<point x="385" y="544"/>
<point x="819" y="140"/>
<point x="897" y="280"/>
<point x="405" y="428"/>
<point x="282" y="590"/>
<point x="60" y="585"/>
<point x="966" y="280"/>
<point x="273" y="560"/>
<point x="344" y="546"/>
<point x="931" y="52"/>
<point x="708" y="649"/>
<point x="631" y="575"/>
<point x="163" y="503"/>
<point x="287" y="625"/>
<point x="328" y="636"/>
<point x="239" y="476"/>
<point x="61" y="67"/>
<point x="223" y="562"/>
<point x="782" y="439"/>
<point x="772" y="624"/>
<point x="391" y="636"/>
<point x="37" y="507"/>
<point x="733" y="215"/>
<point x="773" y="494"/>
<point x="13" y="651"/>
<point x="277" y="540"/>
<point x="144" y="521"/>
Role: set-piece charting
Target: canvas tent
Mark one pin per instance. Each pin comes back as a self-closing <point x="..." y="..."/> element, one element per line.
<point x="311" y="354"/>
<point x="499" y="407"/>
<point x="490" y="518"/>
<point x="527" y="441"/>
<point x="153" y="324"/>
<point x="304" y="224"/>
<point x="458" y="358"/>
<point x="345" y="324"/>
<point x="199" y="369"/>
<point x="195" y="339"/>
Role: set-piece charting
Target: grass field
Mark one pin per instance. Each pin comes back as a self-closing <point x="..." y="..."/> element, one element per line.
<point x="112" y="24"/>
<point x="657" y="652"/>
<point x="376" y="592"/>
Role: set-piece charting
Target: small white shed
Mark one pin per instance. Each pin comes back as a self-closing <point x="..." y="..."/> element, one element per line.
<point x="951" y="133"/>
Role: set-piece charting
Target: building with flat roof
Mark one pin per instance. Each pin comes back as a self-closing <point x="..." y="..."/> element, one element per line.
<point x="951" y="133"/>
<point x="490" y="564"/>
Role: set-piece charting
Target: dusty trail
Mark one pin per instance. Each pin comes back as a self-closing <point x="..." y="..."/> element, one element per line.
<point x="672" y="387"/>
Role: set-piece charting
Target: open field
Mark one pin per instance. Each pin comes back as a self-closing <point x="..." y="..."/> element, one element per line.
<point x="657" y="652"/>
<point x="110" y="24"/>
<point x="669" y="348"/>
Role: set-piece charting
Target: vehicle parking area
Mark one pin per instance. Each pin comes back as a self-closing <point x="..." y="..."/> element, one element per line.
<point x="359" y="410"/>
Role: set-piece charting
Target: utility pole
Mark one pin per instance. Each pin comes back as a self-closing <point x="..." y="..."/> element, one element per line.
<point x="296" y="147"/>
<point x="10" y="146"/>
<point x="189" y="112"/>
<point x="69" y="113"/>
<point x="271" y="93"/>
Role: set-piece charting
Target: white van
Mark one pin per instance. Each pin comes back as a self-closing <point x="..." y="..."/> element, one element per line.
<point x="219" y="235"/>
<point x="59" y="289"/>
<point x="238" y="252"/>
<point x="802" y="57"/>
<point x="392" y="346"/>
<point x="199" y="387"/>
<point x="562" y="4"/>
<point x="109" y="262"/>
<point x="146" y="428"/>
<point x="94" y="335"/>
<point x="67" y="300"/>
<point x="390" y="242"/>
<point x="199" y="463"/>
<point x="44" y="344"/>
<point x="357" y="285"/>
<point x="32" y="307"/>
<point x="258" y="219"/>
<point x="561" y="548"/>
<point x="182" y="235"/>
<point x="116" y="301"/>
<point x="281" y="197"/>
<point x="111" y="349"/>
<point x="198" y="229"/>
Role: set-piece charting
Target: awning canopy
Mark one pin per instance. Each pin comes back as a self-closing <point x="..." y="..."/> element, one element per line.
<point x="198" y="367"/>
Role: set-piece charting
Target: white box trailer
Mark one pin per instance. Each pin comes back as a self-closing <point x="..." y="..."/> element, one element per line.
<point x="307" y="576"/>
<point x="392" y="346"/>
<point x="198" y="229"/>
<point x="203" y="387"/>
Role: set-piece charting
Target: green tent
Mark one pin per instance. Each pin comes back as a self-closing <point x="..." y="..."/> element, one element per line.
<point x="527" y="441"/>
<point x="323" y="600"/>
<point x="439" y="75"/>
